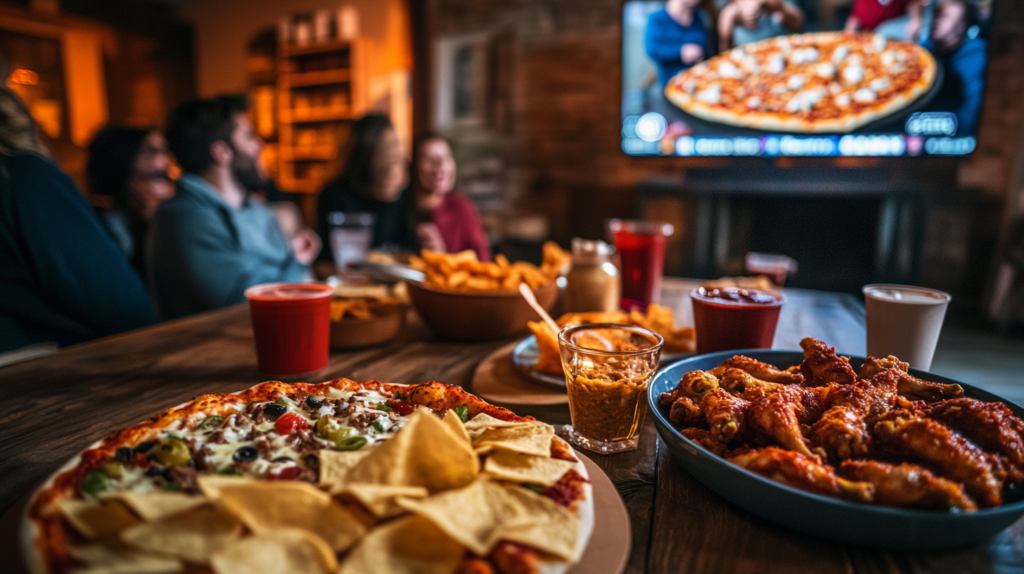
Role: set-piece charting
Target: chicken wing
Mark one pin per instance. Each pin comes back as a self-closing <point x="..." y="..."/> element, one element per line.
<point x="704" y="439"/>
<point x="797" y="470"/>
<point x="692" y="385"/>
<point x="872" y="366"/>
<point x="871" y="398"/>
<point x="762" y="371"/>
<point x="685" y="413"/>
<point x="992" y="426"/>
<point x="775" y="414"/>
<point x="908" y="485"/>
<point x="737" y="380"/>
<point x="726" y="415"/>
<point x="912" y="387"/>
<point x="842" y="433"/>
<point x="903" y="434"/>
<point x="821" y="365"/>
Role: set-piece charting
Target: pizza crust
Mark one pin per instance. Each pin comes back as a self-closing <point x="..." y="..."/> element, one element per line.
<point x="790" y="122"/>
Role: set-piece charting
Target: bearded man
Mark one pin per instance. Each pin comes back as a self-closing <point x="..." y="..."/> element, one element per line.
<point x="214" y="239"/>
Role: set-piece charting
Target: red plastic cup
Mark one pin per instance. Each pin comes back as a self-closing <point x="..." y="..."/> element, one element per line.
<point x="292" y="325"/>
<point x="641" y="247"/>
<point x="734" y="318"/>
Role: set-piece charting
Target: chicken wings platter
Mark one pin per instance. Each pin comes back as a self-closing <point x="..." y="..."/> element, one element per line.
<point x="905" y="455"/>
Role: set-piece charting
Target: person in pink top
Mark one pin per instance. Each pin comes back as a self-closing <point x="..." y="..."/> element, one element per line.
<point x="446" y="221"/>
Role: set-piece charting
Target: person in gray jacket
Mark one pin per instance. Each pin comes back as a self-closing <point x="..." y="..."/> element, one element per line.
<point x="214" y="239"/>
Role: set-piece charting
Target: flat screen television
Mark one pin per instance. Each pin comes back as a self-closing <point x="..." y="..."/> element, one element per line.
<point x="803" y="77"/>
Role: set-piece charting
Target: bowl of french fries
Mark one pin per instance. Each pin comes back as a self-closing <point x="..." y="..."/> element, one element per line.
<point x="465" y="299"/>
<point x="366" y="315"/>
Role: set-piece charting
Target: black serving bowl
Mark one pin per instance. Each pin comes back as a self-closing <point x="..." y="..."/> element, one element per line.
<point x="833" y="518"/>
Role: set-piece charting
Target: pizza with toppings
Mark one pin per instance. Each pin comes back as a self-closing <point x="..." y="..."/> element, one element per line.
<point x="336" y="477"/>
<point x="823" y="82"/>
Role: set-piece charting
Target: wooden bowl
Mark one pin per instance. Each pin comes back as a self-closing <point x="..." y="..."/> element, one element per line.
<point x="478" y="316"/>
<point x="350" y="333"/>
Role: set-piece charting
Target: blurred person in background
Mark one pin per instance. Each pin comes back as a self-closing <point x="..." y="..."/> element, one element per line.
<point x="676" y="38"/>
<point x="963" y="54"/>
<point x="214" y="239"/>
<point x="902" y="16"/>
<point x="63" y="279"/>
<point x="745" y="21"/>
<point x="373" y="180"/>
<point x="130" y="166"/>
<point x="443" y="219"/>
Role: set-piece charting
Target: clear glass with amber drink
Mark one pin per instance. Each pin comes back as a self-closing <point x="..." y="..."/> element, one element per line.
<point x="607" y="369"/>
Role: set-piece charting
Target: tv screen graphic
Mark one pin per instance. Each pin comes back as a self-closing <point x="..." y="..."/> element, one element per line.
<point x="803" y="77"/>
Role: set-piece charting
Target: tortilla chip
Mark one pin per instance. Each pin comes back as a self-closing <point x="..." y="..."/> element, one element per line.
<point x="549" y="357"/>
<point x="426" y="453"/>
<point x="94" y="519"/>
<point x="543" y="524"/>
<point x="473" y="515"/>
<point x="485" y="512"/>
<point x="452" y="421"/>
<point x="276" y="551"/>
<point x="380" y="498"/>
<point x="534" y="438"/>
<point x="158" y="503"/>
<point x="525" y="468"/>
<point x="193" y="535"/>
<point x="269" y="505"/>
<point x="485" y="421"/>
<point x="100" y="559"/>
<point x="335" y="464"/>
<point x="410" y="545"/>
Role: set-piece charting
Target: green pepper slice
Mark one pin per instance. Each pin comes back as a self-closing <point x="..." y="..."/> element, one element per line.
<point x="210" y="422"/>
<point x="351" y="443"/>
<point x="95" y="482"/>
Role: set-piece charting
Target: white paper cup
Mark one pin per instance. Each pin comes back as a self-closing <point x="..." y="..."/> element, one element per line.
<point x="904" y="321"/>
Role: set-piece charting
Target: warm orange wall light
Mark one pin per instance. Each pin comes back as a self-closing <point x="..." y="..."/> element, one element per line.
<point x="23" y="77"/>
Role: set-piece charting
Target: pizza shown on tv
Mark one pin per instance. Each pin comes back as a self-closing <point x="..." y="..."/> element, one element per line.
<point x="824" y="82"/>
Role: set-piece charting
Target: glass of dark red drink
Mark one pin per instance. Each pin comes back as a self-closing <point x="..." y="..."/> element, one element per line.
<point x="641" y="247"/>
<point x="733" y="318"/>
<point x="292" y="326"/>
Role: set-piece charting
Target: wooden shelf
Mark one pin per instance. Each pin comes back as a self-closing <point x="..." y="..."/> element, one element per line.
<point x="313" y="116"/>
<point x="288" y="51"/>
<point x="310" y="162"/>
<point x="301" y="185"/>
<point x="309" y="153"/>
<point x="320" y="78"/>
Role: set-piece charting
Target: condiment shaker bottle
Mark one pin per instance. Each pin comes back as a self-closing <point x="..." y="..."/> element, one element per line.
<point x="593" y="282"/>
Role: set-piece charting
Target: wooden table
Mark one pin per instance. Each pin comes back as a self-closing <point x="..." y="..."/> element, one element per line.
<point x="57" y="405"/>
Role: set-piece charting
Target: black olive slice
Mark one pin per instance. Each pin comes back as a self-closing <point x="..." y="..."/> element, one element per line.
<point x="274" y="410"/>
<point x="124" y="454"/>
<point x="246" y="454"/>
<point x="313" y="402"/>
<point x="283" y="459"/>
<point x="145" y="447"/>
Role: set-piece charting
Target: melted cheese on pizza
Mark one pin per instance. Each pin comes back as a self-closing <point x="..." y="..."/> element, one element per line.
<point x="246" y="441"/>
<point x="807" y="77"/>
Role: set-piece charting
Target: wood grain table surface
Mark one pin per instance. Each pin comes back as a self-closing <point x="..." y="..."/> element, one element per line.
<point x="57" y="405"/>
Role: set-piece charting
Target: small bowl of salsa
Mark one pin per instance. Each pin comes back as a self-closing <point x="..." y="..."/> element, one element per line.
<point x="734" y="318"/>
